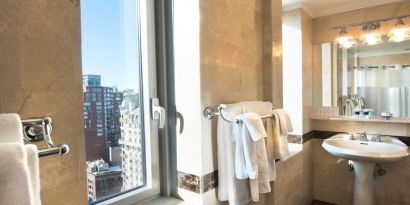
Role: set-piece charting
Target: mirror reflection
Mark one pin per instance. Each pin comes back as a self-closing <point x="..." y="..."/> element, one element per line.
<point x="363" y="81"/>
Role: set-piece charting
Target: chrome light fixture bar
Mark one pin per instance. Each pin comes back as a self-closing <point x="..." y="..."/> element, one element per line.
<point x="371" y="34"/>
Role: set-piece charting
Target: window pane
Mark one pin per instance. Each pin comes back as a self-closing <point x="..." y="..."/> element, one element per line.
<point x="112" y="99"/>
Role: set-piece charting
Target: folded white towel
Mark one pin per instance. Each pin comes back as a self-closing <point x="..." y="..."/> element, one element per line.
<point x="11" y="130"/>
<point x="16" y="186"/>
<point x="19" y="175"/>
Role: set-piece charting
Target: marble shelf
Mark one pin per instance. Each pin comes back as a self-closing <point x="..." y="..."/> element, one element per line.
<point x="374" y="119"/>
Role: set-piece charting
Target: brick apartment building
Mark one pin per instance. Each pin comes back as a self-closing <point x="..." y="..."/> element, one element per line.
<point x="101" y="117"/>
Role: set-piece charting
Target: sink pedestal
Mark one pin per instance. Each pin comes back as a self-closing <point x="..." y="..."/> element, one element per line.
<point x="364" y="183"/>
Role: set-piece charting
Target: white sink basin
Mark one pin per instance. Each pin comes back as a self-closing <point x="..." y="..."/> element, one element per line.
<point x="389" y="150"/>
<point x="364" y="156"/>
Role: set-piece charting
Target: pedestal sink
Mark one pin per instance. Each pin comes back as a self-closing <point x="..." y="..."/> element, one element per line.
<point x="365" y="155"/>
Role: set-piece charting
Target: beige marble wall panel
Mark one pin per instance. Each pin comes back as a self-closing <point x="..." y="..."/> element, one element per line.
<point x="323" y="31"/>
<point x="396" y="129"/>
<point x="231" y="59"/>
<point x="293" y="184"/>
<point x="332" y="182"/>
<point x="272" y="52"/>
<point x="41" y="76"/>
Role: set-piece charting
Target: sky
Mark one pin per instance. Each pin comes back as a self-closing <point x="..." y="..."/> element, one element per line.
<point x="110" y="41"/>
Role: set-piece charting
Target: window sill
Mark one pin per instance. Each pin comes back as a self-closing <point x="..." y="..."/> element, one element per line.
<point x="164" y="201"/>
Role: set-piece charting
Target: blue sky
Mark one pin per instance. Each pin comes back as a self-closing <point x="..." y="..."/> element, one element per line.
<point x="109" y="41"/>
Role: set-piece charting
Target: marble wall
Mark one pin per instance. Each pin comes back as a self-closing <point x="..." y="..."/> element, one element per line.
<point x="241" y="59"/>
<point x="40" y="69"/>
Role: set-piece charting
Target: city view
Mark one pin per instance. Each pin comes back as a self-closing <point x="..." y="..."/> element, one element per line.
<point x="114" y="146"/>
<point x="111" y="98"/>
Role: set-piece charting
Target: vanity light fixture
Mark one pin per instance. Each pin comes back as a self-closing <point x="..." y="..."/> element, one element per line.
<point x="345" y="40"/>
<point x="400" y="32"/>
<point x="371" y="34"/>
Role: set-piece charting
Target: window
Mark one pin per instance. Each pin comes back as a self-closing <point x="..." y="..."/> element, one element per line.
<point x="118" y="82"/>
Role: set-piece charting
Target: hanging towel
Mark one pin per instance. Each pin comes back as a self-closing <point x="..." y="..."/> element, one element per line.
<point x="282" y="127"/>
<point x="34" y="171"/>
<point x="16" y="187"/>
<point x="231" y="189"/>
<point x="251" y="160"/>
<point x="265" y="155"/>
<point x="19" y="177"/>
<point x="249" y="142"/>
<point x="11" y="130"/>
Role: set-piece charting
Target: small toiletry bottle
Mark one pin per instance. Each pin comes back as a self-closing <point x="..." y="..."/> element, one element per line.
<point x="367" y="113"/>
<point x="357" y="112"/>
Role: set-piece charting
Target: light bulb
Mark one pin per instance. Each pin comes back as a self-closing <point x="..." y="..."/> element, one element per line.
<point x="344" y="40"/>
<point x="372" y="38"/>
<point x="399" y="32"/>
<point x="348" y="44"/>
<point x="371" y="35"/>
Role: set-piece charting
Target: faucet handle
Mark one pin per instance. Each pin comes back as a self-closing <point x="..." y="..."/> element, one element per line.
<point x="378" y="138"/>
<point x="351" y="136"/>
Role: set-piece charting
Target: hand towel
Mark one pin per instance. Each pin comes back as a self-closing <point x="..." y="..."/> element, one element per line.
<point x="231" y="189"/>
<point x="266" y="174"/>
<point x="250" y="148"/>
<point x="11" y="129"/>
<point x="282" y="127"/>
<point x="16" y="186"/>
<point x="34" y="171"/>
<point x="284" y="122"/>
<point x="20" y="177"/>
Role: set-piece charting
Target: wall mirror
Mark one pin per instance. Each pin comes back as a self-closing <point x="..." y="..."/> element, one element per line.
<point x="370" y="78"/>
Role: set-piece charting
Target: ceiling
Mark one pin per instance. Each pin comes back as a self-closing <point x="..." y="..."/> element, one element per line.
<point x="316" y="8"/>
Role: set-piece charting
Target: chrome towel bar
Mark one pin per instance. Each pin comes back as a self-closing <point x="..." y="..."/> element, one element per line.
<point x="209" y="113"/>
<point x="38" y="129"/>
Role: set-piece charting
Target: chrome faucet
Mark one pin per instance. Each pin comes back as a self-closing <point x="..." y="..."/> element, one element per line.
<point x="378" y="139"/>
<point x="364" y="137"/>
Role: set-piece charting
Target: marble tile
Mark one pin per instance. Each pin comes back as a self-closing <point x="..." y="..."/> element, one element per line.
<point x="41" y="76"/>
<point x="189" y="182"/>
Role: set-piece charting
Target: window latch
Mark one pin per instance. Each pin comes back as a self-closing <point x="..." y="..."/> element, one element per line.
<point x="157" y="112"/>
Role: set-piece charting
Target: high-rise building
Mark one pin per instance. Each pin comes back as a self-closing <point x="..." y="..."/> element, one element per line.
<point x="131" y="141"/>
<point x="102" y="180"/>
<point x="101" y="117"/>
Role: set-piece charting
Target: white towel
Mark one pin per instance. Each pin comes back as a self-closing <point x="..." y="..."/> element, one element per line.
<point x="284" y="122"/>
<point x="19" y="175"/>
<point x="230" y="189"/>
<point x="251" y="160"/>
<point x="265" y="174"/>
<point x="16" y="187"/>
<point x="250" y="151"/>
<point x="11" y="129"/>
<point x="34" y="171"/>
<point x="282" y="127"/>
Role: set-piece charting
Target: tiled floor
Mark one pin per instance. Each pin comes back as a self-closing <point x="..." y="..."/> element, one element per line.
<point x="317" y="202"/>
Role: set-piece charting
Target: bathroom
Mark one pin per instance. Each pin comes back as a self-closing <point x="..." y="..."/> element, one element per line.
<point x="103" y="72"/>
